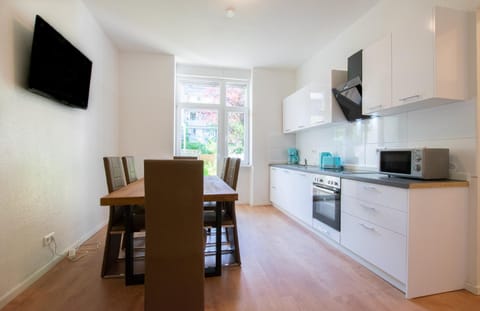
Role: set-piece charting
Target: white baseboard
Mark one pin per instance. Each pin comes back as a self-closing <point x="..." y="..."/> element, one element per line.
<point x="474" y="289"/>
<point x="19" y="288"/>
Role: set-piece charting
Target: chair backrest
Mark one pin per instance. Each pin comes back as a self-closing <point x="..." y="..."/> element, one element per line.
<point x="174" y="203"/>
<point x="223" y="173"/>
<point x="231" y="172"/>
<point x="114" y="173"/>
<point x="185" y="157"/>
<point x="129" y="168"/>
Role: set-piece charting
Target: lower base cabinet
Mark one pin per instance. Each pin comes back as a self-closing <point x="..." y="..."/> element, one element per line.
<point x="383" y="248"/>
<point x="291" y="191"/>
<point x="415" y="239"/>
<point x="424" y="251"/>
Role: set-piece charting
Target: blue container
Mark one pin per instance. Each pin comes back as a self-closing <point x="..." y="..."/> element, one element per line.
<point x="325" y="159"/>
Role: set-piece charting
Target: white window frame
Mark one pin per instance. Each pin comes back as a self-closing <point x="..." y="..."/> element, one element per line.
<point x="223" y="111"/>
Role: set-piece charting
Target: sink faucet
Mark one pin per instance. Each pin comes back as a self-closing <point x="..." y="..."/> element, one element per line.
<point x="305" y="162"/>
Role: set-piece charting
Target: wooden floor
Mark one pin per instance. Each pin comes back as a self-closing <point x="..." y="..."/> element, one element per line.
<point x="284" y="267"/>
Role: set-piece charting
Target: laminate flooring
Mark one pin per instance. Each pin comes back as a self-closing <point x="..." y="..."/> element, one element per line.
<point x="284" y="267"/>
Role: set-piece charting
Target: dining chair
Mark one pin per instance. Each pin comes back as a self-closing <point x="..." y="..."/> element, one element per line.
<point x="174" y="271"/>
<point x="185" y="157"/>
<point x="210" y="206"/>
<point x="116" y="221"/>
<point x="229" y="218"/>
<point x="129" y="169"/>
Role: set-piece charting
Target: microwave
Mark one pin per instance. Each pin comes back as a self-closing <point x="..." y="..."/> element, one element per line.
<point x="421" y="163"/>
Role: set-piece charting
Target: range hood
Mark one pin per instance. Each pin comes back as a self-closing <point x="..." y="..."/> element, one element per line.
<point x="349" y="94"/>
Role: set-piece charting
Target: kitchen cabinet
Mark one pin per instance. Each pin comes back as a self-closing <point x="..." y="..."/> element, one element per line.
<point x="377" y="76"/>
<point x="429" y="57"/>
<point x="301" y="191"/>
<point x="414" y="238"/>
<point x="295" y="113"/>
<point x="291" y="191"/>
<point x="275" y="185"/>
<point x="313" y="105"/>
<point x="422" y="63"/>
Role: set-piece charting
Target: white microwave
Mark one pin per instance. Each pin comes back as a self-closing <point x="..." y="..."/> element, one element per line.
<point x="421" y="163"/>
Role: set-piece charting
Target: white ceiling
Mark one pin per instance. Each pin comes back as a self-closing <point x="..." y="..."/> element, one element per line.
<point x="263" y="33"/>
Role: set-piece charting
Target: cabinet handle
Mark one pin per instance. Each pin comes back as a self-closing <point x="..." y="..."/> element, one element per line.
<point x="409" y="97"/>
<point x="370" y="188"/>
<point x="374" y="107"/>
<point x="324" y="231"/>
<point x="370" y="228"/>
<point x="373" y="209"/>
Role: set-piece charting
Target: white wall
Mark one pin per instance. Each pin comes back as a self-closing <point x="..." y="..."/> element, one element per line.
<point x="269" y="145"/>
<point x="50" y="161"/>
<point x="452" y="126"/>
<point x="146" y="106"/>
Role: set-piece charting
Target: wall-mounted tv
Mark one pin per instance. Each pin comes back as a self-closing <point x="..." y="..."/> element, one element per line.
<point x="58" y="70"/>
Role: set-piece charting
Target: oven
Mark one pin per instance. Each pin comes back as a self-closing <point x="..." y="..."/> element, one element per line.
<point x="326" y="201"/>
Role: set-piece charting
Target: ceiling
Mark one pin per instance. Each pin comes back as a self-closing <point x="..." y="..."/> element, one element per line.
<point x="263" y="33"/>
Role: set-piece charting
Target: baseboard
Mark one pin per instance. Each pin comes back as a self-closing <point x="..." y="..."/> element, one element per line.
<point x="474" y="289"/>
<point x="14" y="292"/>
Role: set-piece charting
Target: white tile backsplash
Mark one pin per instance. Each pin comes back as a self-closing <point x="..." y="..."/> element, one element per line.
<point x="443" y="122"/>
<point x="395" y="129"/>
<point x="448" y="126"/>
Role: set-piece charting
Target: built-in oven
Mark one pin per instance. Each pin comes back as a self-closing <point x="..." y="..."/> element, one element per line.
<point x="326" y="203"/>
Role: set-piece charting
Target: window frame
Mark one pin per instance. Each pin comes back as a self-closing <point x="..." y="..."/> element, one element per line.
<point x="223" y="110"/>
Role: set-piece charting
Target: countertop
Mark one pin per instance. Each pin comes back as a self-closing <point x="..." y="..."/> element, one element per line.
<point x="376" y="178"/>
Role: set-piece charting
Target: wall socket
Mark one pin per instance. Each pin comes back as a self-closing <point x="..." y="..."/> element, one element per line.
<point x="48" y="239"/>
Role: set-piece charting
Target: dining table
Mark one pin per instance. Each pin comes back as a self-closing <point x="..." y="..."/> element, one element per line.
<point x="214" y="190"/>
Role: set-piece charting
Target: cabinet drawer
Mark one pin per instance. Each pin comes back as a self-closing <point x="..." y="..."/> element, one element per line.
<point x="388" y="218"/>
<point x="383" y="248"/>
<point x="391" y="197"/>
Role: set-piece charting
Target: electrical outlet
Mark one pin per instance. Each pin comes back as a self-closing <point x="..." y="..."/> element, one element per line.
<point x="72" y="253"/>
<point x="48" y="239"/>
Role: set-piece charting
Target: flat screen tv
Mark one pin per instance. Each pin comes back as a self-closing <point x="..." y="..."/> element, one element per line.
<point x="58" y="70"/>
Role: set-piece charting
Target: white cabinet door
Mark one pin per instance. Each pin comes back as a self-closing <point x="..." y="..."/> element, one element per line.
<point x="413" y="58"/>
<point x="313" y="105"/>
<point x="295" y="112"/>
<point x="429" y="57"/>
<point x="284" y="191"/>
<point x="383" y="248"/>
<point x="301" y="189"/>
<point x="274" y="185"/>
<point x="377" y="76"/>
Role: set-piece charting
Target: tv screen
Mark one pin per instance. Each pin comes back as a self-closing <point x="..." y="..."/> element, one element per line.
<point x="57" y="69"/>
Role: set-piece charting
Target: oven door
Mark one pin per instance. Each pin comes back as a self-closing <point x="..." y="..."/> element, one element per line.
<point x="326" y="206"/>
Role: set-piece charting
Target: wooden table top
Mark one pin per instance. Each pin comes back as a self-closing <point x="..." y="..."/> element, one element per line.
<point x="214" y="189"/>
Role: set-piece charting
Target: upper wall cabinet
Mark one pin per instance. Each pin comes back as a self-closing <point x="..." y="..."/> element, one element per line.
<point x="377" y="76"/>
<point x="428" y="58"/>
<point x="313" y="105"/>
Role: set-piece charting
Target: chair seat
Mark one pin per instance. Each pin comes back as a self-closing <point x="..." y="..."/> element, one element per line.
<point x="209" y="206"/>
<point x="209" y="219"/>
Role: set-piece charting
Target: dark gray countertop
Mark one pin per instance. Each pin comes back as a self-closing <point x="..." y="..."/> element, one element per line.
<point x="376" y="178"/>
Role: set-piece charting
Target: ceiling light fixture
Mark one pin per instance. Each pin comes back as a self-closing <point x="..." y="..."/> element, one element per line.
<point x="230" y="12"/>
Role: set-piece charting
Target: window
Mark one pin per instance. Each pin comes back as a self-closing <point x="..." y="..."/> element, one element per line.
<point x="212" y="117"/>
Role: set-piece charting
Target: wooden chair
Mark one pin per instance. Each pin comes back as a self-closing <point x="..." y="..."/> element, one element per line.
<point x="129" y="169"/>
<point x="229" y="218"/>
<point x="116" y="221"/>
<point x="174" y="275"/>
<point x="185" y="157"/>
